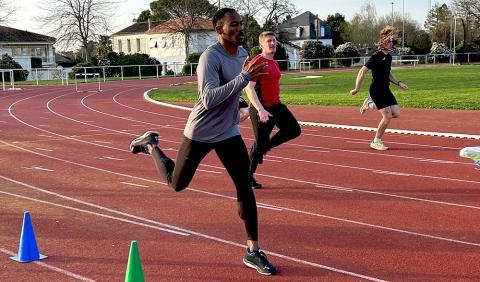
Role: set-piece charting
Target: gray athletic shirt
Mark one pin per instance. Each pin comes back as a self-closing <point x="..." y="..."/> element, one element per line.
<point x="221" y="80"/>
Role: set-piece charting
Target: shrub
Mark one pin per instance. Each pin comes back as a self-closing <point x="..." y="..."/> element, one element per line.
<point x="36" y="62"/>
<point x="441" y="52"/>
<point x="316" y="50"/>
<point x="189" y="67"/>
<point x="347" y="50"/>
<point x="7" y="62"/>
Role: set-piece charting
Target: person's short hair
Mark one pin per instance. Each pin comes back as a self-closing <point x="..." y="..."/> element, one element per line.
<point x="265" y="34"/>
<point x="217" y="18"/>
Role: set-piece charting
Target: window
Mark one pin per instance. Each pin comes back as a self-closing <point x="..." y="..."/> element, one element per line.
<point x="129" y="46"/>
<point x="322" y="31"/>
<point x="119" y="46"/>
<point x="299" y="31"/>
<point x="138" y="45"/>
<point x="153" y="43"/>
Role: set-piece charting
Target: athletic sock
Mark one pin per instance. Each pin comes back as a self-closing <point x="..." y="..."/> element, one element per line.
<point x="370" y="104"/>
<point x="375" y="140"/>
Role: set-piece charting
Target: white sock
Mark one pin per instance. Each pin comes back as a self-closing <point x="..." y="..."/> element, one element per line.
<point x="375" y="140"/>
<point x="370" y="104"/>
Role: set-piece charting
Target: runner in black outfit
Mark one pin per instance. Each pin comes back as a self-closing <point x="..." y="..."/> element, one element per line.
<point x="223" y="71"/>
<point x="381" y="97"/>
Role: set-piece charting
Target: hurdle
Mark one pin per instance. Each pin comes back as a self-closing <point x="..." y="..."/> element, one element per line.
<point x="85" y="76"/>
<point x="11" y="80"/>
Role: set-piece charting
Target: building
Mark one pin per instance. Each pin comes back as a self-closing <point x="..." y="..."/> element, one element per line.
<point x="158" y="41"/>
<point x="23" y="45"/>
<point x="304" y="27"/>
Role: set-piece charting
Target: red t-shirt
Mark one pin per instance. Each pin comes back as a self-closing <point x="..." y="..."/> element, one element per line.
<point x="268" y="85"/>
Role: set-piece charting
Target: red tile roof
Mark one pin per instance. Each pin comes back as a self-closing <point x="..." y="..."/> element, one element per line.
<point x="175" y="24"/>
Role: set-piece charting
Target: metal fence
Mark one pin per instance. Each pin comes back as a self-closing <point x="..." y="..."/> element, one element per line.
<point x="64" y="76"/>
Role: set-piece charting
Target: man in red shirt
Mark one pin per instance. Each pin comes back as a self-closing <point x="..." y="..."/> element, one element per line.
<point x="266" y="110"/>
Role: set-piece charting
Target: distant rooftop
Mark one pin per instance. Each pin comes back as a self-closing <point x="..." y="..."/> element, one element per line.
<point x="137" y="28"/>
<point x="13" y="35"/>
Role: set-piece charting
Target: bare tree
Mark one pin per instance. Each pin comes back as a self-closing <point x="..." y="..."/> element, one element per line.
<point x="277" y="11"/>
<point x="77" y="21"/>
<point x="6" y="11"/>
<point x="364" y="25"/>
<point x="469" y="12"/>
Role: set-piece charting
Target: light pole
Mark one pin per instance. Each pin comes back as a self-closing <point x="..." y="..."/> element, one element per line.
<point x="403" y="24"/>
<point x="392" y="13"/>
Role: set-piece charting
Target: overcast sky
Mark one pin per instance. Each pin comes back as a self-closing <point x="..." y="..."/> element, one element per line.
<point x="126" y="10"/>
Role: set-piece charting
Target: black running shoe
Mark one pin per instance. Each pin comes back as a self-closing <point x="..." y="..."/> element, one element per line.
<point x="139" y="145"/>
<point x="254" y="183"/>
<point x="258" y="260"/>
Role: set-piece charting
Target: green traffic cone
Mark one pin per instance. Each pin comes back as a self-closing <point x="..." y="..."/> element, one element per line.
<point x="134" y="266"/>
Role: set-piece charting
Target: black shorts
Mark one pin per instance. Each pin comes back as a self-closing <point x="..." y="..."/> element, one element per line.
<point x="382" y="97"/>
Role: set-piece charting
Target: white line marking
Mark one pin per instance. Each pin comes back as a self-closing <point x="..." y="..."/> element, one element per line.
<point x="342" y="126"/>
<point x="94" y="130"/>
<point x="211" y="171"/>
<point x="318" y="151"/>
<point x="44" y="125"/>
<point x="56" y="269"/>
<point x="111" y="158"/>
<point x="189" y="232"/>
<point x="270" y="160"/>
<point x="39" y="168"/>
<point x="96" y="213"/>
<point x="42" y="149"/>
<point x="331" y="187"/>
<point x="44" y="135"/>
<point x="268" y="208"/>
<point x="134" y="184"/>
<point x="102" y="142"/>
<point x="391" y="172"/>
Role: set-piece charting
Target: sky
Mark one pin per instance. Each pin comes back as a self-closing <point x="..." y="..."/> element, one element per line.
<point x="126" y="10"/>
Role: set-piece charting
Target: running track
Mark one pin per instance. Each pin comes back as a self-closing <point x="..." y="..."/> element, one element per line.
<point x="331" y="210"/>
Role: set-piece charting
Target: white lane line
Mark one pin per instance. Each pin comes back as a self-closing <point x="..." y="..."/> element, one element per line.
<point x="270" y="160"/>
<point x="331" y="187"/>
<point x="137" y="125"/>
<point x="43" y="149"/>
<point x="39" y="168"/>
<point x="437" y="161"/>
<point x="44" y="135"/>
<point x="51" y="267"/>
<point x="111" y="158"/>
<point x="391" y="172"/>
<point x="188" y="232"/>
<point x="134" y="184"/>
<point x="358" y="142"/>
<point x="2" y="121"/>
<point x="375" y="170"/>
<point x="94" y="130"/>
<point x="342" y="126"/>
<point x="268" y="208"/>
<point x="44" y="125"/>
<point x="102" y="142"/>
<point x="210" y="171"/>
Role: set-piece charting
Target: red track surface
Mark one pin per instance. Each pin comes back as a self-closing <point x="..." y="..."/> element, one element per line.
<point x="332" y="209"/>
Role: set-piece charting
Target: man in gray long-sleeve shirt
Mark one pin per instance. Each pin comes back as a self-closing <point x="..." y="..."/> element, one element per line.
<point x="223" y="72"/>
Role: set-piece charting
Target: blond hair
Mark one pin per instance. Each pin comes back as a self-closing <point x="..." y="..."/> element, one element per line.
<point x="388" y="33"/>
<point x="265" y="34"/>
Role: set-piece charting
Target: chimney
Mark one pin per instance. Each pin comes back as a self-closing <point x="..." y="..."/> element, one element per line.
<point x="149" y="23"/>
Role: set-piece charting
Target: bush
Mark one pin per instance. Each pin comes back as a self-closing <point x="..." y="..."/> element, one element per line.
<point x="189" y="67"/>
<point x="469" y="48"/>
<point x="7" y="62"/>
<point x="441" y="52"/>
<point x="316" y="50"/>
<point x="347" y="50"/>
<point x="137" y="59"/>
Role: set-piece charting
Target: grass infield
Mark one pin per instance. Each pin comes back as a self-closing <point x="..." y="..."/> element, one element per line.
<point x="435" y="87"/>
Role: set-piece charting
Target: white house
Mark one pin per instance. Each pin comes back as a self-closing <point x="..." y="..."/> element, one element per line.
<point x="157" y="40"/>
<point x="23" y="45"/>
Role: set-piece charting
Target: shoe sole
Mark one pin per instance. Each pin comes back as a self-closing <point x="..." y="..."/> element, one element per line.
<point x="251" y="265"/>
<point x="141" y="141"/>
<point x="378" y="149"/>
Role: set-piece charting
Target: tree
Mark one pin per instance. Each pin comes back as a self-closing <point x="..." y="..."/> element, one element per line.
<point x="438" y="23"/>
<point x="77" y="22"/>
<point x="338" y="27"/>
<point x="276" y="11"/>
<point x="6" y="11"/>
<point x="104" y="46"/>
<point x="469" y="12"/>
<point x="182" y="17"/>
<point x="316" y="50"/>
<point x="363" y="28"/>
<point x="249" y="10"/>
<point x="157" y="13"/>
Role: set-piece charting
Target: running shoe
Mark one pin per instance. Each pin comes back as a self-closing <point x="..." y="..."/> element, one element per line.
<point x="379" y="145"/>
<point x="254" y="183"/>
<point x="139" y="145"/>
<point x="258" y="260"/>
<point x="472" y="153"/>
<point x="364" y="106"/>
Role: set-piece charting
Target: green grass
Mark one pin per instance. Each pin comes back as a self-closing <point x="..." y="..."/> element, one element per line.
<point x="437" y="87"/>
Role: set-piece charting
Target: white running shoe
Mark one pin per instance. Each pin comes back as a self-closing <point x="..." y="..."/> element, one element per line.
<point x="378" y="146"/>
<point x="364" y="106"/>
<point x="472" y="153"/>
